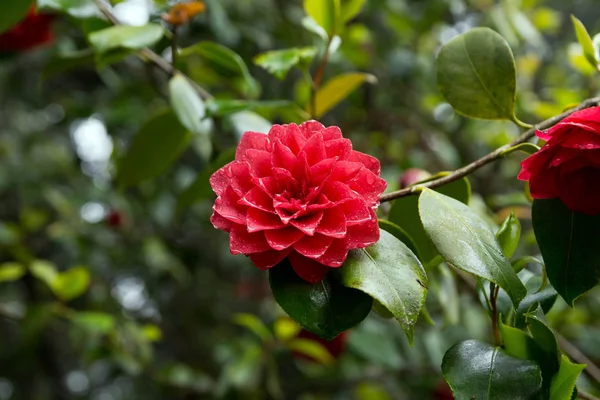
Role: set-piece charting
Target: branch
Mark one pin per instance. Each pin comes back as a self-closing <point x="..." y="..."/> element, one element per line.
<point x="493" y="156"/>
<point x="575" y="354"/>
<point x="152" y="56"/>
<point x="585" y="395"/>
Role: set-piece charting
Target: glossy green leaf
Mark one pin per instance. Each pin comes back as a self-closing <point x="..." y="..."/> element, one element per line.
<point x="466" y="241"/>
<point x="188" y="105"/>
<point x="477" y="370"/>
<point x="311" y="349"/>
<point x="541" y="332"/>
<point x="279" y="62"/>
<point x="337" y="89"/>
<point x="253" y="324"/>
<point x="399" y="233"/>
<point x="584" y="39"/>
<point x="545" y="297"/>
<point x="11" y="271"/>
<point x="326" y="308"/>
<point x="476" y="74"/>
<point x="569" y="244"/>
<point x="351" y="8"/>
<point x="563" y="383"/>
<point x="13" y="12"/>
<point x="71" y="283"/>
<point x="125" y="36"/>
<point x="405" y="214"/>
<point x="96" y="322"/>
<point x="75" y="8"/>
<point x="390" y="273"/>
<point x="156" y="146"/>
<point x="225" y="61"/>
<point x="509" y="234"/>
<point x="326" y="13"/>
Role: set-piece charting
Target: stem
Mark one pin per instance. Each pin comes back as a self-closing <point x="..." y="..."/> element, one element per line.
<point x="585" y="395"/>
<point x="316" y="82"/>
<point x="494" y="311"/>
<point x="174" y="48"/>
<point x="148" y="54"/>
<point x="521" y="123"/>
<point x="488" y="158"/>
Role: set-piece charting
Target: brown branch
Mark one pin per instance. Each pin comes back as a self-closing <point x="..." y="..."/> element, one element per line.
<point x="150" y="55"/>
<point x="488" y="158"/>
<point x="585" y="395"/>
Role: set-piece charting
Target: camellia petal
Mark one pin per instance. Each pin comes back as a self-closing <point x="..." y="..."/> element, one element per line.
<point x="307" y="268"/>
<point x="243" y="242"/>
<point x="268" y="259"/>
<point x="251" y="140"/>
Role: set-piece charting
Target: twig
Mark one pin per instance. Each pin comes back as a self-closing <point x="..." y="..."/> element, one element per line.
<point x="151" y="55"/>
<point x="488" y="158"/>
<point x="585" y="395"/>
<point x="574" y="353"/>
<point x="316" y="82"/>
<point x="494" y="311"/>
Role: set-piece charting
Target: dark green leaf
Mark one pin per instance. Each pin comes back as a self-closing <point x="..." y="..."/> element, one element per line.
<point x="326" y="308"/>
<point x="509" y="234"/>
<point x="13" y="12"/>
<point x="390" y="273"/>
<point x="222" y="108"/>
<point x="477" y="76"/>
<point x="563" y="383"/>
<point x="405" y="214"/>
<point x="399" y="233"/>
<point x="569" y="244"/>
<point x="125" y="36"/>
<point x="66" y="62"/>
<point x="545" y="298"/>
<point x="156" y="146"/>
<point x="541" y="332"/>
<point x="279" y="62"/>
<point x="466" y="241"/>
<point x="477" y="370"/>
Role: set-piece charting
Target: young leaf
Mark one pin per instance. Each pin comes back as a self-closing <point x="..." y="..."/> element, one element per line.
<point x="96" y="322"/>
<point x="509" y="234"/>
<point x="477" y="370"/>
<point x="155" y="147"/>
<point x="351" y="8"/>
<point x="466" y="241"/>
<point x="569" y="244"/>
<point x="12" y="13"/>
<point x="255" y="325"/>
<point x="326" y="13"/>
<point x="476" y="74"/>
<point x="337" y="89"/>
<point x="390" y="273"/>
<point x="279" y="62"/>
<point x="584" y="39"/>
<point x="11" y="271"/>
<point x="405" y="214"/>
<point x="326" y="308"/>
<point x="125" y="36"/>
<point x="188" y="105"/>
<point x="311" y="349"/>
<point x="563" y="383"/>
<point x="71" y="283"/>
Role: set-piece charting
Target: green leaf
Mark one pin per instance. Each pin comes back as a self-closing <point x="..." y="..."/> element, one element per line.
<point x="326" y="13"/>
<point x="188" y="105"/>
<point x="476" y="74"/>
<point x="391" y="274"/>
<point x="545" y="298"/>
<point x="399" y="233"/>
<point x="584" y="39"/>
<point x="405" y="214"/>
<point x="311" y="25"/>
<point x="71" y="283"/>
<point x="60" y="63"/>
<point x="11" y="271"/>
<point x="311" y="349"/>
<point x="563" y="383"/>
<point x="222" y="108"/>
<point x="253" y="324"/>
<point x="541" y="332"/>
<point x="477" y="370"/>
<point x="75" y="8"/>
<point x="466" y="241"/>
<point x="44" y="271"/>
<point x="12" y="13"/>
<point x="326" y="308"/>
<point x="569" y="244"/>
<point x="96" y="322"/>
<point x="225" y="61"/>
<point x="337" y="89"/>
<point x="509" y="234"/>
<point x="279" y="62"/>
<point x="156" y="146"/>
<point x="244" y="121"/>
<point x="351" y="8"/>
<point x="125" y="36"/>
<point x="527" y="148"/>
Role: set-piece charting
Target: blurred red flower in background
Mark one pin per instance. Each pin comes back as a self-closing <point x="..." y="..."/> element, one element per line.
<point x="33" y="31"/>
<point x="335" y="347"/>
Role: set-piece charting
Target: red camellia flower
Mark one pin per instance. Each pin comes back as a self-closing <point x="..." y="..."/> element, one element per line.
<point x="299" y="192"/>
<point x="31" y="32"/>
<point x="568" y="165"/>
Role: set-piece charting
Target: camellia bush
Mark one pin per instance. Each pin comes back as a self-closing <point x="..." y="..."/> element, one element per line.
<point x="341" y="236"/>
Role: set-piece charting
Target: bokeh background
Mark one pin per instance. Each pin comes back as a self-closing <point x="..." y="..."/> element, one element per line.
<point x="150" y="303"/>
